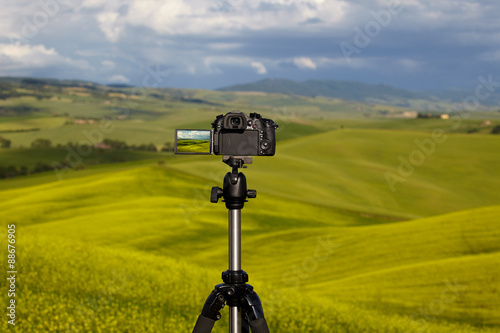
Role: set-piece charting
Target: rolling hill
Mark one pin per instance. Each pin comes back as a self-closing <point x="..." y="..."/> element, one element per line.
<point x="72" y="285"/>
<point x="346" y="169"/>
<point x="138" y="247"/>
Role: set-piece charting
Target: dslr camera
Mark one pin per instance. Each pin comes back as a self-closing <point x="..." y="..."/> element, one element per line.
<point x="234" y="134"/>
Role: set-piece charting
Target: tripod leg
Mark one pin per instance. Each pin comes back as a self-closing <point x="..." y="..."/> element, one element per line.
<point x="244" y="324"/>
<point x="203" y="325"/>
<point x="210" y="313"/>
<point x="254" y="311"/>
<point x="259" y="326"/>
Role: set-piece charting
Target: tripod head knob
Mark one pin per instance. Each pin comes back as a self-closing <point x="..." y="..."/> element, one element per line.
<point x="216" y="194"/>
<point x="252" y="194"/>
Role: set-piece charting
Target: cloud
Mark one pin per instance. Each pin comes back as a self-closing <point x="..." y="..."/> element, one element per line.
<point x="15" y="14"/>
<point x="108" y="63"/>
<point x="492" y="56"/>
<point x="94" y="3"/>
<point x="217" y="17"/>
<point x="410" y="65"/>
<point x="261" y="69"/>
<point x="164" y="17"/>
<point x="474" y="38"/>
<point x="19" y="52"/>
<point x="214" y="64"/>
<point x="118" y="79"/>
<point x="341" y="62"/>
<point x="304" y="63"/>
<point x="313" y="20"/>
<point x="208" y="44"/>
<point x="108" y="22"/>
<point x="225" y="46"/>
<point x="26" y="57"/>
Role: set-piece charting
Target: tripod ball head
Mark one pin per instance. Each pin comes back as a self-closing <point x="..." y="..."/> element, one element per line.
<point x="235" y="190"/>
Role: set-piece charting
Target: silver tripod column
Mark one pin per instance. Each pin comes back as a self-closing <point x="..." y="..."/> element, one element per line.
<point x="234" y="263"/>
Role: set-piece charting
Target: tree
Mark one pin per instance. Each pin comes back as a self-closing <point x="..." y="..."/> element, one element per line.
<point x="11" y="171"/>
<point x="41" y="167"/>
<point x="41" y="144"/>
<point x="496" y="130"/>
<point x="116" y="144"/>
<point x="168" y="146"/>
<point x="24" y="171"/>
<point x="4" y="143"/>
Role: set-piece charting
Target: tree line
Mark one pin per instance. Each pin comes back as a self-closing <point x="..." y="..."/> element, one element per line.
<point x="14" y="170"/>
<point x="107" y="144"/>
<point x="104" y="145"/>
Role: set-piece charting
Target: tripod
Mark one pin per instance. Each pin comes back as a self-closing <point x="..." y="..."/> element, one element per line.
<point x="245" y="308"/>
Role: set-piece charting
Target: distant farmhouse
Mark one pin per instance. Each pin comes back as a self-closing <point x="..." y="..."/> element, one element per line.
<point x="405" y="114"/>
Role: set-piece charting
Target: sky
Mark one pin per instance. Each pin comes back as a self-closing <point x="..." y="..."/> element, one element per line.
<point x="208" y="44"/>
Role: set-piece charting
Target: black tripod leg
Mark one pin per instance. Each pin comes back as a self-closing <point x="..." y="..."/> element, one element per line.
<point x="259" y="326"/>
<point x="254" y="311"/>
<point x="203" y="325"/>
<point x="244" y="324"/>
<point x="210" y="313"/>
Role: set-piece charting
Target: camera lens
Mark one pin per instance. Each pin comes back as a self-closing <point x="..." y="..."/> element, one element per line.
<point x="235" y="121"/>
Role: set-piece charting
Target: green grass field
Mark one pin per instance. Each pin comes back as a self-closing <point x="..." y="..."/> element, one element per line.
<point x="104" y="252"/>
<point x="328" y="244"/>
<point x="194" y="146"/>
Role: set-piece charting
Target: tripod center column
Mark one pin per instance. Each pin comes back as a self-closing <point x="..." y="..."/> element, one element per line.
<point x="235" y="239"/>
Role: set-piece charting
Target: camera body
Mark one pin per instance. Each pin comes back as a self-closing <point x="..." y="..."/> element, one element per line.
<point x="236" y="134"/>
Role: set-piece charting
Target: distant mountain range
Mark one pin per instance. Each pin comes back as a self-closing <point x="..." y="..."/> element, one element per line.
<point x="47" y="81"/>
<point x="346" y="90"/>
<point x="367" y="93"/>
